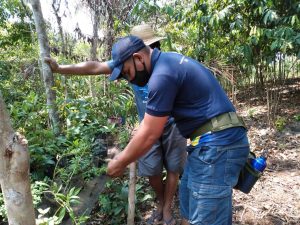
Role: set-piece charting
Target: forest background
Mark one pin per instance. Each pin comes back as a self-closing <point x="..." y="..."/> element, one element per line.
<point x="252" y="46"/>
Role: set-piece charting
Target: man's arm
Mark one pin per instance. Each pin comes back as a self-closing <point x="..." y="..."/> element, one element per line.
<point x="149" y="131"/>
<point x="84" y="68"/>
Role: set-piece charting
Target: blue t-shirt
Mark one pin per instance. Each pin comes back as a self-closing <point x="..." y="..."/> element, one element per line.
<point x="186" y="90"/>
<point x="141" y="98"/>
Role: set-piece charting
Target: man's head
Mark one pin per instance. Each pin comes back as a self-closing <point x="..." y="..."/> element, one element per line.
<point x="131" y="59"/>
<point x="146" y="33"/>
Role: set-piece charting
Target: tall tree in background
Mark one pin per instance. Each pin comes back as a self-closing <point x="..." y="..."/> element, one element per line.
<point x="116" y="13"/>
<point x="56" y="8"/>
<point x="14" y="172"/>
<point x="94" y="6"/>
<point x="46" y="70"/>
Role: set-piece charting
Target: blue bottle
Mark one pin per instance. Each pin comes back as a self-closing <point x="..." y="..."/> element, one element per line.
<point x="259" y="163"/>
<point x="251" y="172"/>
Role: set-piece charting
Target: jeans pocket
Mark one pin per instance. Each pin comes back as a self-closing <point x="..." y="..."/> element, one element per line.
<point x="209" y="154"/>
<point x="207" y="202"/>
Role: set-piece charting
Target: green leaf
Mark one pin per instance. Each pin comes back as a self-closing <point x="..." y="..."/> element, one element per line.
<point x="270" y="16"/>
<point x="118" y="210"/>
<point x="61" y="215"/>
<point x="275" y="45"/>
<point x="61" y="196"/>
<point x="294" y="20"/>
<point x="146" y="197"/>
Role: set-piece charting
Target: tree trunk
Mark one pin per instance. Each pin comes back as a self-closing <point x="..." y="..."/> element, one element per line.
<point x="261" y="77"/>
<point x="110" y="34"/>
<point x="110" y="26"/>
<point x="56" y="6"/>
<point x="14" y="173"/>
<point x="96" y="21"/>
<point x="94" y="47"/>
<point x="47" y="73"/>
<point x="131" y="194"/>
<point x="280" y="68"/>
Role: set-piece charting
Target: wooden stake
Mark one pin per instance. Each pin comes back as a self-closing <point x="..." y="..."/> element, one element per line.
<point x="131" y="194"/>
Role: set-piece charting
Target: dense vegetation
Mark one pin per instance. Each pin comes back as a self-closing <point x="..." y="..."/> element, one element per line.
<point x="245" y="42"/>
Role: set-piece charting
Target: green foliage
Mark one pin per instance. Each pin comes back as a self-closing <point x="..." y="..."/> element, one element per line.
<point x="66" y="200"/>
<point x="251" y="112"/>
<point x="251" y="35"/>
<point x="297" y="117"/>
<point x="37" y="190"/>
<point x="113" y="202"/>
<point x="77" y="159"/>
<point x="2" y="208"/>
<point x="16" y="31"/>
<point x="124" y="136"/>
<point x="280" y="123"/>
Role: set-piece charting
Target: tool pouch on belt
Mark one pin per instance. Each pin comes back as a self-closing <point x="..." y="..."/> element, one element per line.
<point x="248" y="176"/>
<point x="218" y="123"/>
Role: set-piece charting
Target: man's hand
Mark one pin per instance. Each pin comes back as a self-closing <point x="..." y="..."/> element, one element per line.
<point x="52" y="63"/>
<point x="115" y="168"/>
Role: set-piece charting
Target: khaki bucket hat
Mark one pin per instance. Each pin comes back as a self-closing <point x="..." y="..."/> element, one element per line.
<point x="146" y="33"/>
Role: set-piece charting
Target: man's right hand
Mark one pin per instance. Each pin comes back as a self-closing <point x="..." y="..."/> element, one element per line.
<point x="52" y="63"/>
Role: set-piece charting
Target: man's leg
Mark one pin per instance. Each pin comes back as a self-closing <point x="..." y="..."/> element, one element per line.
<point x="165" y="193"/>
<point x="150" y="165"/>
<point x="157" y="184"/>
<point x="174" y="157"/>
<point x="169" y="192"/>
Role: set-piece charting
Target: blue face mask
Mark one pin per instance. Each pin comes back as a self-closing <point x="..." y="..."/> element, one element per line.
<point x="141" y="77"/>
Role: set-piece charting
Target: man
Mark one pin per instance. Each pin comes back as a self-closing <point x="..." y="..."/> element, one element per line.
<point x="168" y="151"/>
<point x="183" y="88"/>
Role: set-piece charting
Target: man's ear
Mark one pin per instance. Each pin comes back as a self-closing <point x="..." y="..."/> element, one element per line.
<point x="138" y="56"/>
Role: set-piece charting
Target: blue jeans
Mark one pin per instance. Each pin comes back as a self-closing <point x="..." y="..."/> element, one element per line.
<point x="206" y="185"/>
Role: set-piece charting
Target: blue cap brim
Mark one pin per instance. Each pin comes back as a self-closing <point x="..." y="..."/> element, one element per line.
<point x="116" y="73"/>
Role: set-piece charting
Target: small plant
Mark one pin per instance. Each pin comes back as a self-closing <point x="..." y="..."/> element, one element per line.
<point x="251" y="112"/>
<point x="65" y="201"/>
<point x="124" y="137"/>
<point x="280" y="123"/>
<point x="113" y="201"/>
<point x="297" y="117"/>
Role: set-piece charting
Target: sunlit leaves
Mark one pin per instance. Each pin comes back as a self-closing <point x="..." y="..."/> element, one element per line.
<point x="269" y="16"/>
<point x="294" y="20"/>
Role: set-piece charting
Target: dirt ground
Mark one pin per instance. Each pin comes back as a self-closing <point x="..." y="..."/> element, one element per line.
<point x="275" y="199"/>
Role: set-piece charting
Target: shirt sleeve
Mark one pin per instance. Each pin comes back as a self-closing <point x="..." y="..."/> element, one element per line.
<point x="162" y="93"/>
